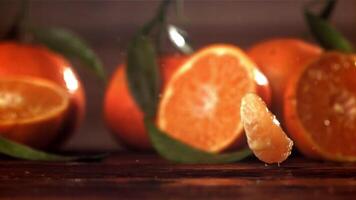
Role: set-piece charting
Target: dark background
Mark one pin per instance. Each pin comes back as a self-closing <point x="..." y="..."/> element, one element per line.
<point x="108" y="25"/>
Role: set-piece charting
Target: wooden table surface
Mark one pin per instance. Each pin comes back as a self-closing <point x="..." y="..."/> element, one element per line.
<point x="146" y="176"/>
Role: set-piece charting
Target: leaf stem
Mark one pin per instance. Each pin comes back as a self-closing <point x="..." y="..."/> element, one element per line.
<point x="328" y="9"/>
<point x="326" y="34"/>
<point x="18" y="27"/>
<point x="159" y="18"/>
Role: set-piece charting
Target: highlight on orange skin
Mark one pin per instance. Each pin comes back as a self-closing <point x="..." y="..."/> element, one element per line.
<point x="264" y="135"/>
<point x="17" y="59"/>
<point x="279" y="59"/>
<point x="200" y="105"/>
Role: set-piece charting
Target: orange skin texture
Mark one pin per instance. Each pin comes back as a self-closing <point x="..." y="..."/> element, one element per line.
<point x="122" y="115"/>
<point x="30" y="60"/>
<point x="279" y="59"/>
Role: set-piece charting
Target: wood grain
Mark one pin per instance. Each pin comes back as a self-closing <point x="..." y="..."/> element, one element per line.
<point x="146" y="176"/>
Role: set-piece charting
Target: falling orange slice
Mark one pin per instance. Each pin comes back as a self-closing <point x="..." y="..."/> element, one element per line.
<point x="31" y="109"/>
<point x="265" y="137"/>
<point x="201" y="103"/>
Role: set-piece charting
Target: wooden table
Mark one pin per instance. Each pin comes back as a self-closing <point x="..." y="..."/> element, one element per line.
<point x="146" y="176"/>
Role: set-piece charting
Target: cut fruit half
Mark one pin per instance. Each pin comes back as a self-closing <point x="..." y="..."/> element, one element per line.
<point x="201" y="103"/>
<point x="264" y="135"/>
<point x="279" y="59"/>
<point x="320" y="108"/>
<point x="31" y="109"/>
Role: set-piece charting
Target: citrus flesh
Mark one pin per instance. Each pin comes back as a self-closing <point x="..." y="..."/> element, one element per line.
<point x="201" y="103"/>
<point x="264" y="135"/>
<point x="31" y="109"/>
<point x="320" y="109"/>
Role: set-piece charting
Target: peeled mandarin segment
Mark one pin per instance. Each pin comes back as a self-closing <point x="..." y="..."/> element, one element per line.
<point x="325" y="106"/>
<point x="200" y="105"/>
<point x="31" y="109"/>
<point x="265" y="137"/>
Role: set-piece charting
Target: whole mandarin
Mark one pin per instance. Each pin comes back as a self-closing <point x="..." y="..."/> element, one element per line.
<point x="122" y="115"/>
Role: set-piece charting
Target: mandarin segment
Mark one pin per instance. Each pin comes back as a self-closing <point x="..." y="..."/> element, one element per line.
<point x="321" y="108"/>
<point x="200" y="105"/>
<point x="264" y="135"/>
<point x="31" y="110"/>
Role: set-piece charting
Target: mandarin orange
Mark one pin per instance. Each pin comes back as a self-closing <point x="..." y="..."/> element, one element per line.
<point x="121" y="113"/>
<point x="18" y="59"/>
<point x="200" y="105"/>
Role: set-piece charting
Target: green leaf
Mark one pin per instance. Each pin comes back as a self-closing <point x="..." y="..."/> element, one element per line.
<point x="143" y="75"/>
<point x="70" y="45"/>
<point x="20" y="151"/>
<point x="327" y="35"/>
<point x="144" y="83"/>
<point x="176" y="151"/>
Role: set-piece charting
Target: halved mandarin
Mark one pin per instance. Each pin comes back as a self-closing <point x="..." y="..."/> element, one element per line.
<point x="24" y="59"/>
<point x="320" y="108"/>
<point x="31" y="110"/>
<point x="264" y="135"/>
<point x="201" y="103"/>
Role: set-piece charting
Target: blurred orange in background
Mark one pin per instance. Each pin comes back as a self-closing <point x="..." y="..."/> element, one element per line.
<point x="17" y="59"/>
